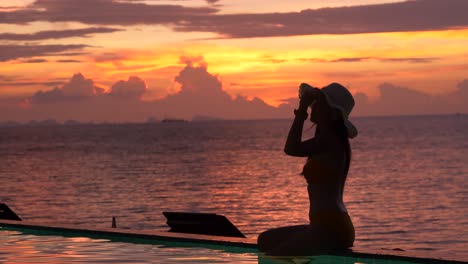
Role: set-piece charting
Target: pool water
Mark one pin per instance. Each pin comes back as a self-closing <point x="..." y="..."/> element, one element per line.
<point x="18" y="247"/>
<point x="23" y="247"/>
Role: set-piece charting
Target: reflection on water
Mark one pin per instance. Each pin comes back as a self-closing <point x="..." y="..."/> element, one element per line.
<point x="22" y="248"/>
<point x="17" y="247"/>
<point x="406" y="188"/>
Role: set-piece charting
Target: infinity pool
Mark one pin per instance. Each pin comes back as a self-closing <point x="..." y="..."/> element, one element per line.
<point x="18" y="246"/>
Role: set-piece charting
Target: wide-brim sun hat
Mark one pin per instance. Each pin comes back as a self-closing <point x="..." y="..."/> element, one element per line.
<point x="338" y="97"/>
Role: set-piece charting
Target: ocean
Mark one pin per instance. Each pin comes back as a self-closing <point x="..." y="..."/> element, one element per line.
<point x="406" y="188"/>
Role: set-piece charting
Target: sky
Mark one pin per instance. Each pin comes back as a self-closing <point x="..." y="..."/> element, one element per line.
<point x="131" y="60"/>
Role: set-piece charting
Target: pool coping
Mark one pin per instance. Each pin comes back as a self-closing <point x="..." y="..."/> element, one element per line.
<point x="247" y="243"/>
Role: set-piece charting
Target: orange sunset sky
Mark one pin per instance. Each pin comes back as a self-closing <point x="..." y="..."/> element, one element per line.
<point x="130" y="60"/>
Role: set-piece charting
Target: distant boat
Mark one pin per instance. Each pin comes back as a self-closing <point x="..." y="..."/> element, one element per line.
<point x="172" y="120"/>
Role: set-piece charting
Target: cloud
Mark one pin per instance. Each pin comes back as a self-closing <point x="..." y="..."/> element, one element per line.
<point x="34" y="61"/>
<point x="409" y="60"/>
<point x="403" y="99"/>
<point x="77" y="88"/>
<point x="68" y="61"/>
<point x="201" y="94"/>
<point x="103" y="12"/>
<point x="12" y="52"/>
<point x="51" y="96"/>
<point x="397" y="100"/>
<point x="29" y="83"/>
<point x="109" y="56"/>
<point x="19" y="80"/>
<point x="463" y="86"/>
<point x="6" y="78"/>
<point x="459" y="97"/>
<point x="197" y="81"/>
<point x="414" y="15"/>
<point x="380" y="59"/>
<point x="134" y="87"/>
<point x="57" y="34"/>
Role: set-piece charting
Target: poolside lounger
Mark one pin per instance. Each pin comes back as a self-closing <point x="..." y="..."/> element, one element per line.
<point x="7" y="214"/>
<point x="201" y="223"/>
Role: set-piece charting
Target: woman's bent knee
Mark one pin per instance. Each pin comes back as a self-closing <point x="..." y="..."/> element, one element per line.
<point x="272" y="237"/>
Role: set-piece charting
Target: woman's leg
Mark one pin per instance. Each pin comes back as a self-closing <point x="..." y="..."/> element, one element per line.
<point x="273" y="237"/>
<point x="315" y="239"/>
<point x="309" y="241"/>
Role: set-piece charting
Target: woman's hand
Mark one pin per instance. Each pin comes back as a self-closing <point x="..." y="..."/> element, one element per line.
<point x="307" y="95"/>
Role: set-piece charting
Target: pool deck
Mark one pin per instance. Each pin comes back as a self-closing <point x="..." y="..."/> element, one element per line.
<point x="148" y="236"/>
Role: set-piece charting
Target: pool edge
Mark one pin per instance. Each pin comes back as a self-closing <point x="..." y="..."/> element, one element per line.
<point x="247" y="243"/>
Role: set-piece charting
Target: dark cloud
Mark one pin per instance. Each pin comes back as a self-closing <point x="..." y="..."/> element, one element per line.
<point x="403" y="99"/>
<point x="109" y="56"/>
<point x="397" y="100"/>
<point x="273" y="60"/>
<point x="201" y="94"/>
<point x="103" y="12"/>
<point x="12" y="52"/>
<point x="414" y="15"/>
<point x="29" y="83"/>
<point x="18" y="81"/>
<point x="459" y="97"/>
<point x="5" y="78"/>
<point x="67" y="61"/>
<point x="134" y="87"/>
<point x="197" y="81"/>
<point x="77" y="88"/>
<point x="57" y="34"/>
<point x="70" y="54"/>
<point x="51" y="96"/>
<point x="409" y="60"/>
<point x="463" y="86"/>
<point x="34" y="61"/>
<point x="363" y="59"/>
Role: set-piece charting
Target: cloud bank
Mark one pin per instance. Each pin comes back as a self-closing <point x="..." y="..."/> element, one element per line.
<point x="13" y="52"/>
<point x="413" y="15"/>
<point x="56" y="34"/>
<point x="395" y="99"/>
<point x="201" y="94"/>
<point x="103" y="12"/>
<point x="133" y="88"/>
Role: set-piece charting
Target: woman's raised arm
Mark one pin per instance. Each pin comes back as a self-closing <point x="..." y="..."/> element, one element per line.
<point x="294" y="145"/>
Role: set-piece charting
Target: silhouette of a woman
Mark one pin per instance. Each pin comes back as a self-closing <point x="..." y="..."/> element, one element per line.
<point x="328" y="158"/>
